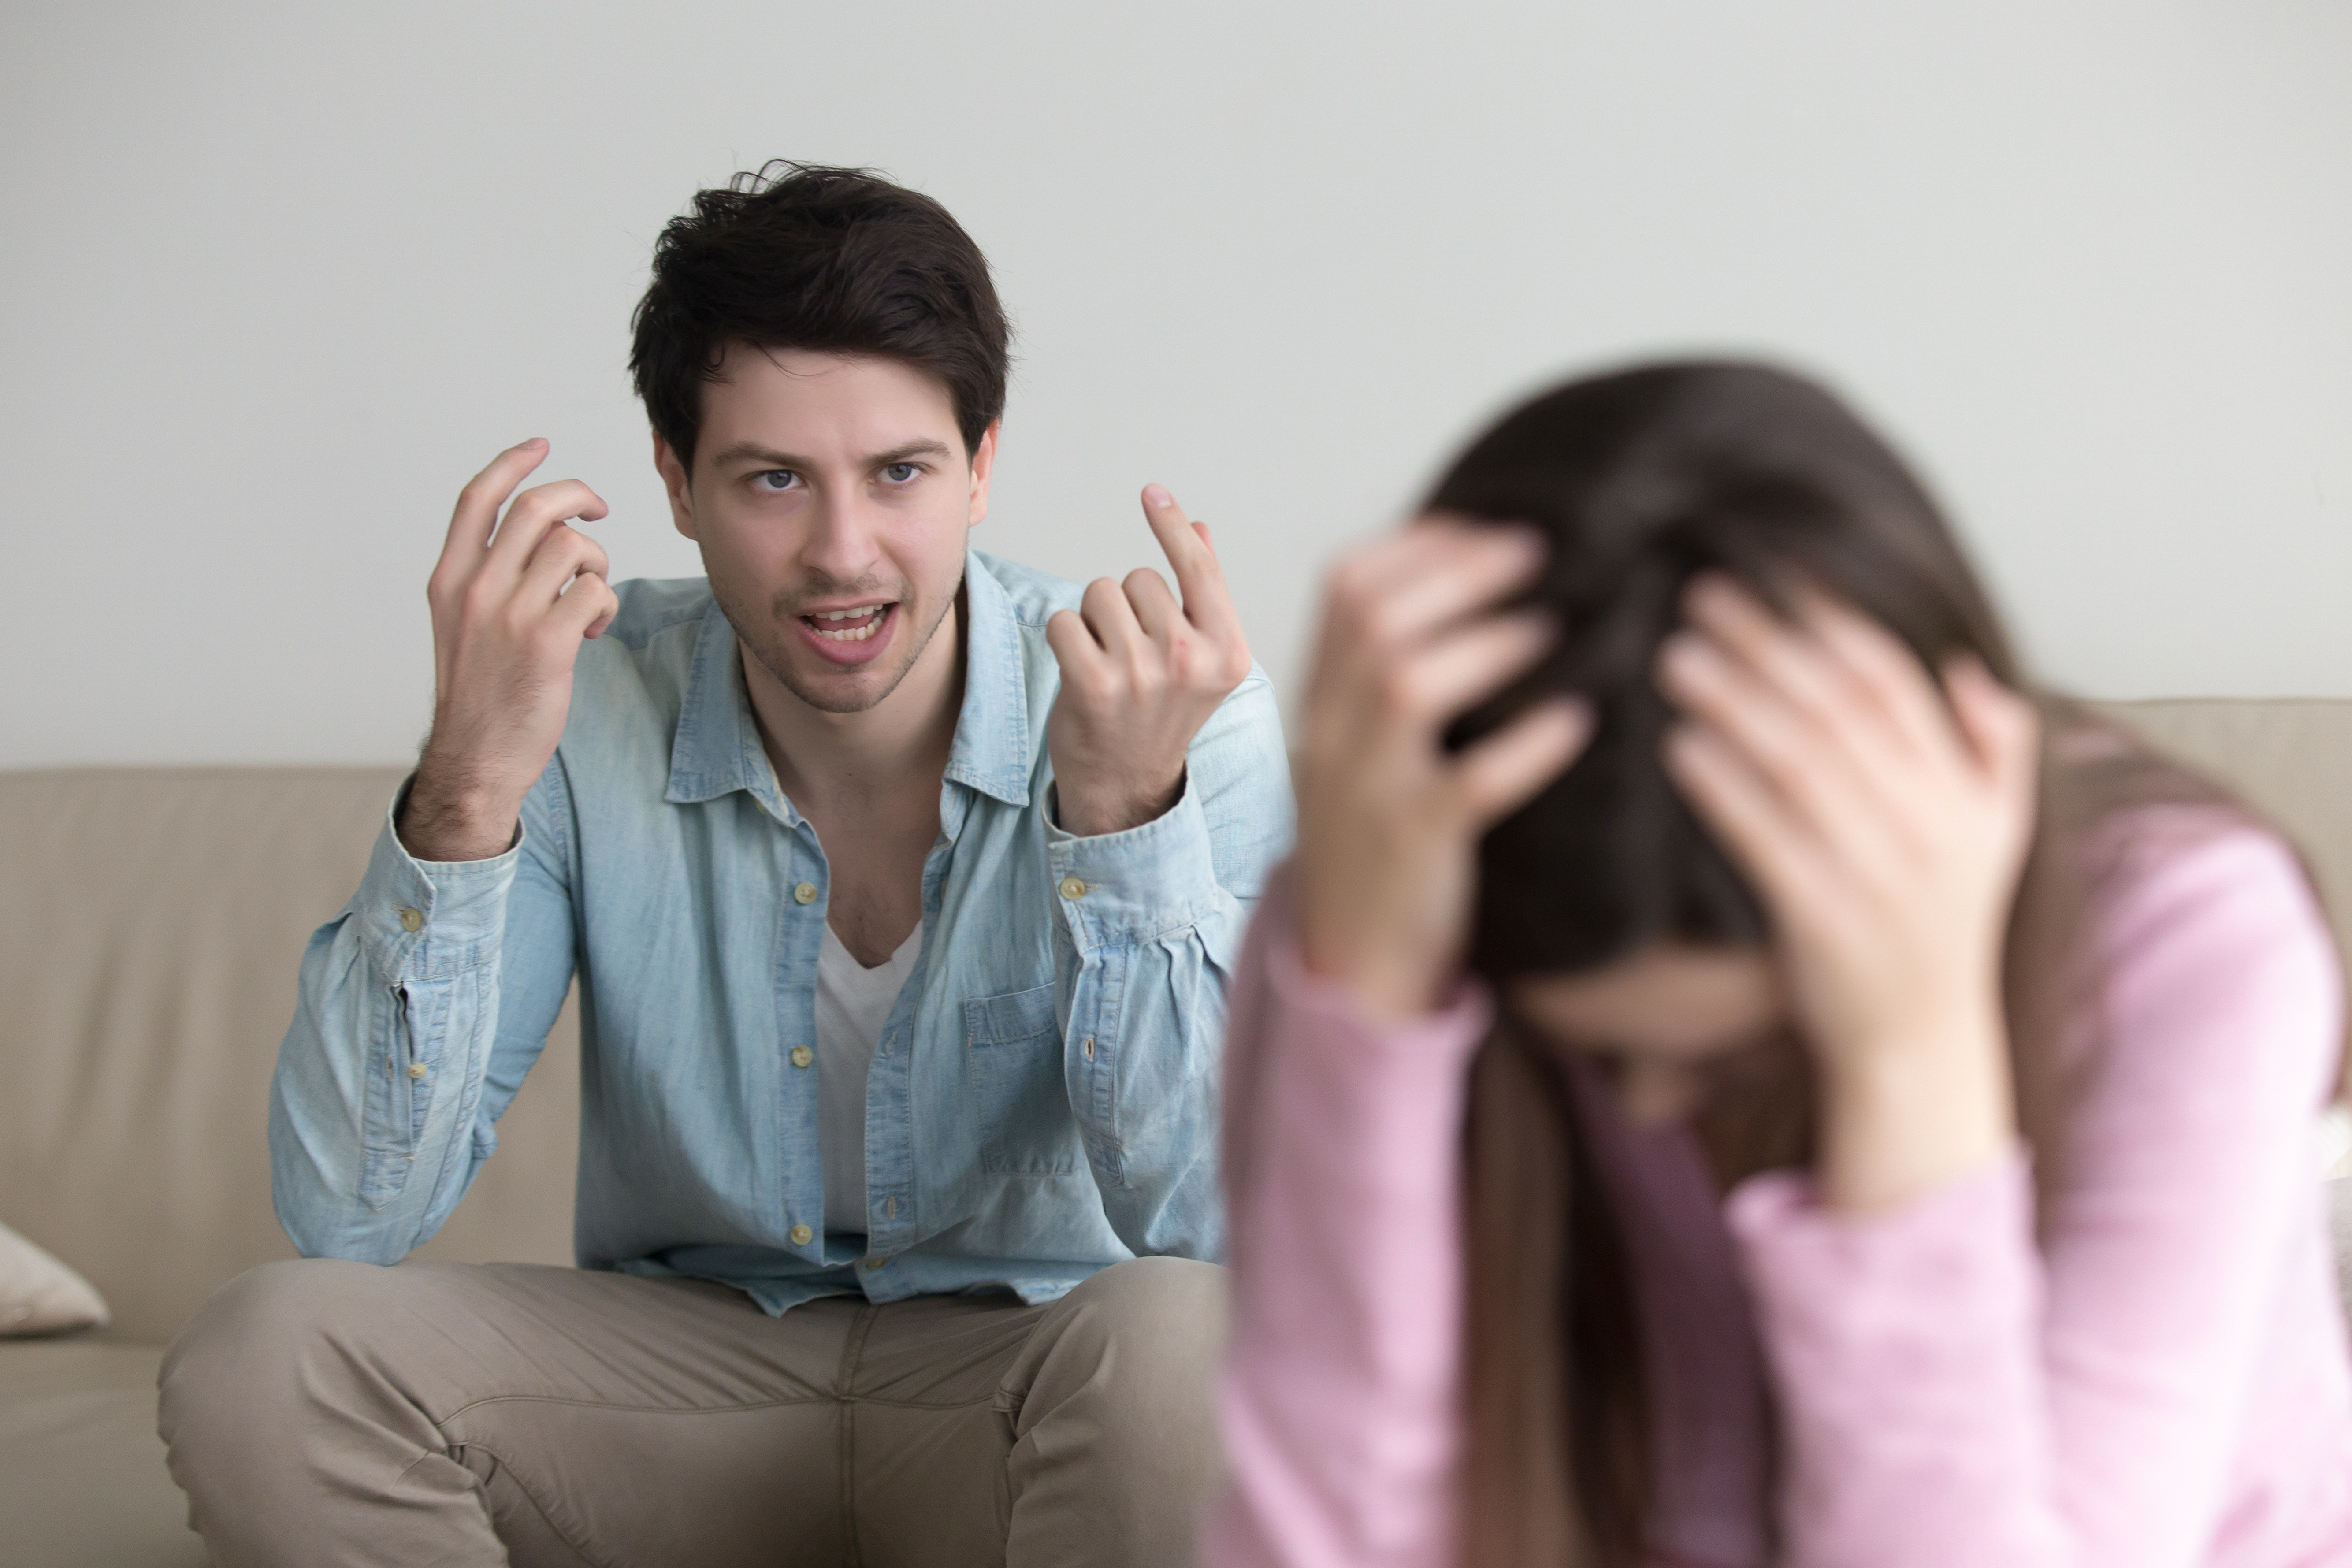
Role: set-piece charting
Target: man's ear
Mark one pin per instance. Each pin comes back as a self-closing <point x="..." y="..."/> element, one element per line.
<point x="983" y="464"/>
<point x="680" y="488"/>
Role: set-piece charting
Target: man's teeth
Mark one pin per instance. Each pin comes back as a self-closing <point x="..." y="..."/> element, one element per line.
<point x="871" y="614"/>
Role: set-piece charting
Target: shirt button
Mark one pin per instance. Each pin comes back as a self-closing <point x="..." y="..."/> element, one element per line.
<point x="409" y="918"/>
<point x="418" y="1069"/>
<point x="803" y="1235"/>
<point x="802" y="1056"/>
<point x="876" y="1262"/>
<point x="1072" y="889"/>
<point x="805" y="893"/>
<point x="1089" y="1048"/>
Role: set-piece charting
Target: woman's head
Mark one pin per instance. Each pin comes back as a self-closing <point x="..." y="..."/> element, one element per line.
<point x="1643" y="479"/>
<point x="1608" y="915"/>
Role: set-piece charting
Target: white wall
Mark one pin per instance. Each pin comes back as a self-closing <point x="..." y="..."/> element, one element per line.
<point x="277" y="278"/>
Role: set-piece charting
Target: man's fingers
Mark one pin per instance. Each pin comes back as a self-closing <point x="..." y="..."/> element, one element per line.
<point x="533" y="513"/>
<point x="587" y="606"/>
<point x="564" y="553"/>
<point x="1156" y="610"/>
<point x="476" y="512"/>
<point x="1075" y="647"/>
<point x="1111" y="618"/>
<point x="1504" y="771"/>
<point x="1199" y="575"/>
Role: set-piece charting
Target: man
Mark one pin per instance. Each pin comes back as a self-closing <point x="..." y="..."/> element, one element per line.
<point x="900" y="883"/>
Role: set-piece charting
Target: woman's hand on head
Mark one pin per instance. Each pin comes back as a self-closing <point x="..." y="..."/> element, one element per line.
<point x="1884" y="821"/>
<point x="1387" y="820"/>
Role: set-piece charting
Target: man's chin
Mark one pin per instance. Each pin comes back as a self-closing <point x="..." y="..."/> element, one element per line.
<point x="830" y="689"/>
<point x="840" y="691"/>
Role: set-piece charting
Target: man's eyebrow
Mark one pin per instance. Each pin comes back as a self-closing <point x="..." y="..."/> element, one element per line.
<point x="768" y="456"/>
<point x="752" y="452"/>
<point x="911" y="450"/>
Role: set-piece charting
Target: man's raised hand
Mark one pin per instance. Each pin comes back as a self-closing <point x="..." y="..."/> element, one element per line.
<point x="513" y="598"/>
<point x="1141" y="674"/>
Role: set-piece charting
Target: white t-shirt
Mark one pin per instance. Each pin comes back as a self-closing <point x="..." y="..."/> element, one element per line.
<point x="853" y="1003"/>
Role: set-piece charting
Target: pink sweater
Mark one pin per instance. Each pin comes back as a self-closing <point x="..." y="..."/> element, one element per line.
<point x="2163" y="1382"/>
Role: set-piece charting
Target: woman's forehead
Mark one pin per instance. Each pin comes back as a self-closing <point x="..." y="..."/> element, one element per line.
<point x="1667" y="1000"/>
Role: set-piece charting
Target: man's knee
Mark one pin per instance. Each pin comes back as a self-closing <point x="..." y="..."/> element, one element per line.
<point x="251" y="1351"/>
<point x="1171" y="1306"/>
<point x="1146" y="1334"/>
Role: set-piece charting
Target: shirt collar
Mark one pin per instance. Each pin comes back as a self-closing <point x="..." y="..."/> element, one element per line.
<point x="717" y="747"/>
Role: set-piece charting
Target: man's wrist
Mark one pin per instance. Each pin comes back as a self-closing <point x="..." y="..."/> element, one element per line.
<point x="442" y="822"/>
<point x="1086" y="814"/>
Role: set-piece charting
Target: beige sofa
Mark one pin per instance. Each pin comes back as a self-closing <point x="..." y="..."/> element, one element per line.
<point x="149" y="935"/>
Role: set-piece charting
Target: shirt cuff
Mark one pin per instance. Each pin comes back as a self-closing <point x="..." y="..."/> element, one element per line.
<point x="1136" y="885"/>
<point x="427" y="919"/>
<point x="1845" y="1296"/>
<point x="1325" y="1017"/>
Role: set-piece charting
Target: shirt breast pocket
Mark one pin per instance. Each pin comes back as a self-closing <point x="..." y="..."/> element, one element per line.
<point x="1024" y="1109"/>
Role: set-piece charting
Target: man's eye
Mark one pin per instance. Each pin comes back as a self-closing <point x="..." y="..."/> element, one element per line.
<point x="776" y="479"/>
<point x="901" y="473"/>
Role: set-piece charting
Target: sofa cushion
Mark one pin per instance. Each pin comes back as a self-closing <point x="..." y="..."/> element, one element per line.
<point x="40" y="1295"/>
<point x="149" y="942"/>
<point x="82" y="1481"/>
<point x="2288" y="757"/>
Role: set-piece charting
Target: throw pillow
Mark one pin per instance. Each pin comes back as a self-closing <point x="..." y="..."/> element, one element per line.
<point x="40" y="1295"/>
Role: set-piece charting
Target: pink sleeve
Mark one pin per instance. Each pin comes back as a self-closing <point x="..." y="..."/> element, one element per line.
<point x="1950" y="1394"/>
<point x="1338" y="1401"/>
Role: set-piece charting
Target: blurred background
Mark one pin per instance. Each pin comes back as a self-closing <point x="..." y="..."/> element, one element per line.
<point x="279" y="278"/>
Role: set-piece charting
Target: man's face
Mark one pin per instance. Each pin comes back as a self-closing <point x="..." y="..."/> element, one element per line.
<point x="830" y="495"/>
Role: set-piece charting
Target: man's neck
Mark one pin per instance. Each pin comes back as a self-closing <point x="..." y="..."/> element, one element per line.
<point x="832" y="765"/>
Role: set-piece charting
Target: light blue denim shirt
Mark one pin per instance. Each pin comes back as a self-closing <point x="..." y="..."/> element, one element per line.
<point x="1043" y="1098"/>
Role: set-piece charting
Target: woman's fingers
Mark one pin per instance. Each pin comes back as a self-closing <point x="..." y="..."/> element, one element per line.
<point x="1749" y="816"/>
<point x="1873" y="662"/>
<point x="1426" y="687"/>
<point x="1507" y="769"/>
<point x="1403" y="587"/>
<point x="1791" y="749"/>
<point x="2001" y="728"/>
<point x="1851" y="689"/>
<point x="1780" y="654"/>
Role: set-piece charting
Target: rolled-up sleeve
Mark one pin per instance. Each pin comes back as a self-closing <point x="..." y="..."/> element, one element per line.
<point x="1151" y="921"/>
<point x="378" y="1112"/>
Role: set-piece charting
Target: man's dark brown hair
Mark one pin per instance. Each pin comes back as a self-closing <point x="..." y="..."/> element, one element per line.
<point x="800" y="256"/>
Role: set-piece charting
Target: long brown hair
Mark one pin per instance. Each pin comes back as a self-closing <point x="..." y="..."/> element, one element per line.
<point x="1641" y="479"/>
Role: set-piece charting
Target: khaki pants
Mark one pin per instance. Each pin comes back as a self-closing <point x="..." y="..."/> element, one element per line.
<point x="327" y="1413"/>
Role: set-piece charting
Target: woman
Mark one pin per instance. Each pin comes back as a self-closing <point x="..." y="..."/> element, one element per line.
<point x="1726" y="1080"/>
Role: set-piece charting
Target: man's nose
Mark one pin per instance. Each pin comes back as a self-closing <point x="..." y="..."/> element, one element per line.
<point x="843" y="541"/>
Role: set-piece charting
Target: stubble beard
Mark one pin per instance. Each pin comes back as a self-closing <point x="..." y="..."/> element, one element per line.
<point x="768" y="639"/>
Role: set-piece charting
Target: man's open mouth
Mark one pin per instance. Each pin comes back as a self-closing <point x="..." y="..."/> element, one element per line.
<point x="854" y="624"/>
